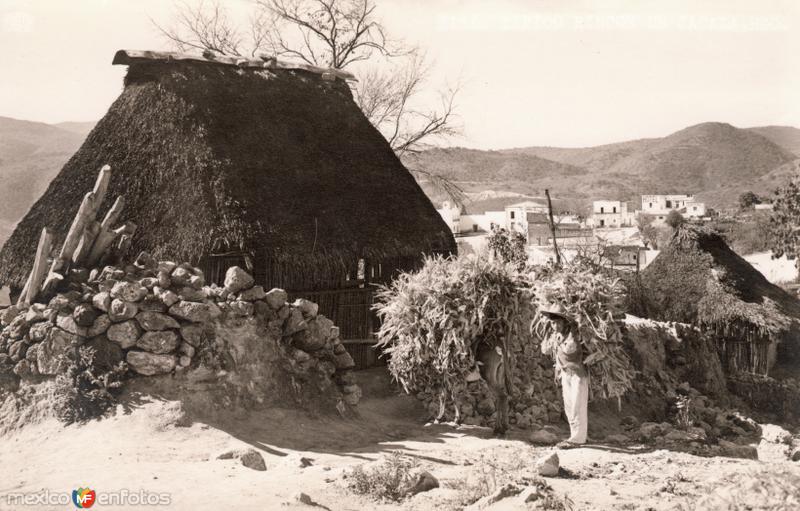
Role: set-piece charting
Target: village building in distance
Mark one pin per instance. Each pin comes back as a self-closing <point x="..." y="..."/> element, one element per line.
<point x="610" y="232"/>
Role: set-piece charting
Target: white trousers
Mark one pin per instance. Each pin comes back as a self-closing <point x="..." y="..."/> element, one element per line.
<point x="576" y="401"/>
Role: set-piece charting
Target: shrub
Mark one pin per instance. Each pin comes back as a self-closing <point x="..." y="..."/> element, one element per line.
<point x="391" y="479"/>
<point x="508" y="246"/>
<point x="83" y="392"/>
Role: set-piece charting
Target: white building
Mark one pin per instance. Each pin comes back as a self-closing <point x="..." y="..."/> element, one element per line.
<point x="517" y="215"/>
<point x="659" y="206"/>
<point x="610" y="214"/>
<point x="462" y="223"/>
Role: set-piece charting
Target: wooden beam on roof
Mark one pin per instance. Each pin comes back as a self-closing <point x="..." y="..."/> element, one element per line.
<point x="128" y="57"/>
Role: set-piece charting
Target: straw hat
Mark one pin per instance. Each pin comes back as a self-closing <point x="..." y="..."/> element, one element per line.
<point x="555" y="311"/>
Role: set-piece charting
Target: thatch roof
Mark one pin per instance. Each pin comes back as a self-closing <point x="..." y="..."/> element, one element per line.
<point x="215" y="156"/>
<point x="699" y="279"/>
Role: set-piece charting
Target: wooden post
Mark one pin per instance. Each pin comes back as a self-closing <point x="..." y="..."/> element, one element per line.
<point x="105" y="237"/>
<point x="90" y="232"/>
<point x="552" y="227"/>
<point x="31" y="290"/>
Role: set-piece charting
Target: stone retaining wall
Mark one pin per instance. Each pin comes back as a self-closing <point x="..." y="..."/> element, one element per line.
<point x="160" y="318"/>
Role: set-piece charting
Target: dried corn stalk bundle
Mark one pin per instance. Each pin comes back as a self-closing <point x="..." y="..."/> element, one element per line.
<point x="595" y="301"/>
<point x="433" y="321"/>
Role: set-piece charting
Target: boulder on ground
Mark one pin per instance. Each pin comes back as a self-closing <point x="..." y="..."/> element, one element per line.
<point x="84" y="315"/>
<point x="180" y="277"/>
<point x="8" y="314"/>
<point x="294" y="323"/>
<point x="236" y="279"/>
<point x="191" y="294"/>
<point x="425" y="482"/>
<point x="344" y="360"/>
<point x="156" y="321"/>
<point x="150" y="364"/>
<point x="125" y="334"/>
<point x="548" y="466"/>
<point x="307" y="307"/>
<point x="160" y="342"/>
<point x="152" y="303"/>
<point x="738" y="451"/>
<point x="194" y="334"/>
<point x="249" y="457"/>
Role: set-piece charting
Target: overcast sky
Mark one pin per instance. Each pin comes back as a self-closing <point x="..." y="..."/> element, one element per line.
<point x="564" y="73"/>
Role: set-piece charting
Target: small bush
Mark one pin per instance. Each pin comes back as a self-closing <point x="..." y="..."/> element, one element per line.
<point x="391" y="479"/>
<point x="84" y="393"/>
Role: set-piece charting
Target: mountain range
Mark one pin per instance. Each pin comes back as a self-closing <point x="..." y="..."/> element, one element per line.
<point x="714" y="161"/>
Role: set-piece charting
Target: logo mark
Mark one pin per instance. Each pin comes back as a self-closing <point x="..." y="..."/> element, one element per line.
<point x="83" y="498"/>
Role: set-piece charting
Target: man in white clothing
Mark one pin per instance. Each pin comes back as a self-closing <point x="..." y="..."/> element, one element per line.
<point x="574" y="376"/>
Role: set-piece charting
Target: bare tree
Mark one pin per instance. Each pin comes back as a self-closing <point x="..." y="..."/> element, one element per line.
<point x="337" y="34"/>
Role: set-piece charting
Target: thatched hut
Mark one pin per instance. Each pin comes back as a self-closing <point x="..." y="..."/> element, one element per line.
<point x="698" y="279"/>
<point x="257" y="163"/>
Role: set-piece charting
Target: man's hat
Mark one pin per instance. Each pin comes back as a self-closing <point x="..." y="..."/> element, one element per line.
<point x="555" y="310"/>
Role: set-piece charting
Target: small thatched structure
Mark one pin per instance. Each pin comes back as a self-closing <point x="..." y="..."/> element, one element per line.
<point x="247" y="162"/>
<point x="698" y="279"/>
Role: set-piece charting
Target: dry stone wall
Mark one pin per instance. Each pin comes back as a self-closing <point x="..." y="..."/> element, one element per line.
<point x="161" y="318"/>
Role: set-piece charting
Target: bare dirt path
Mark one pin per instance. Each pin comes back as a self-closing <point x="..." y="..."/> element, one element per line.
<point x="144" y="450"/>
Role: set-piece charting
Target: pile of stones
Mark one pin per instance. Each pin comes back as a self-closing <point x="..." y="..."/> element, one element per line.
<point x="158" y="317"/>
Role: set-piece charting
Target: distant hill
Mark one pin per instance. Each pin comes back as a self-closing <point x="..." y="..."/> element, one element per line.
<point x="31" y="154"/>
<point x="80" y="128"/>
<point x="715" y="161"/>
<point x="785" y="136"/>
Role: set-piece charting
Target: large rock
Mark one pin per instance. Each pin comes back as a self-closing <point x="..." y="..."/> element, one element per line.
<point x="548" y="466"/>
<point x="8" y="314"/>
<point x="121" y="310"/>
<point x="307" y="307"/>
<point x="152" y="303"/>
<point x="38" y="331"/>
<point x="159" y="342"/>
<point x="153" y="321"/>
<point x="36" y="313"/>
<point x="169" y="298"/>
<point x="149" y="364"/>
<point x="180" y="277"/>
<point x="294" y="323"/>
<point x="18" y="328"/>
<point x="425" y="481"/>
<point x="194" y="334"/>
<point x="125" y="334"/>
<point x="276" y="298"/>
<point x="84" y="315"/>
<point x="191" y="294"/>
<point x="249" y="457"/>
<point x="343" y="360"/>
<point x="253" y="294"/>
<point x="68" y="324"/>
<point x="51" y="355"/>
<point x="102" y="301"/>
<point x="107" y="354"/>
<point x="236" y="279"/>
<point x="128" y="291"/>
<point x="194" y="311"/>
<point x="100" y="326"/>
<point x="241" y="308"/>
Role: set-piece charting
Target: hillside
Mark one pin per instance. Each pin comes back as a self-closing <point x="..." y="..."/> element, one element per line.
<point x="785" y="136"/>
<point x="31" y="154"/>
<point x="715" y="161"/>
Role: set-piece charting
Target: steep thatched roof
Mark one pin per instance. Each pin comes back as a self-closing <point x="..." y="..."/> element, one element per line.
<point x="217" y="156"/>
<point x="699" y="279"/>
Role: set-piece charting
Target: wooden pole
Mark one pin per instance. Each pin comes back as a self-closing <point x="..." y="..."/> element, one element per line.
<point x="105" y="237"/>
<point x="90" y="232"/>
<point x="31" y="290"/>
<point x="552" y="226"/>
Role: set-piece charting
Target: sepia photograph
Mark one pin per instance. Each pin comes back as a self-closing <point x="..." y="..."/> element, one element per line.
<point x="400" y="255"/>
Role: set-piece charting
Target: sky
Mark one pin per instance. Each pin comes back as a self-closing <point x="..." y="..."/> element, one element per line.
<point x="559" y="73"/>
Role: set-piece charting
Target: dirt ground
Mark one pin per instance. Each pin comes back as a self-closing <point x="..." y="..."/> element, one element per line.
<point x="147" y="448"/>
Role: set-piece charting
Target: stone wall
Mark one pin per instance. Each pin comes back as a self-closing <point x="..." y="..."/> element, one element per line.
<point x="160" y="318"/>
